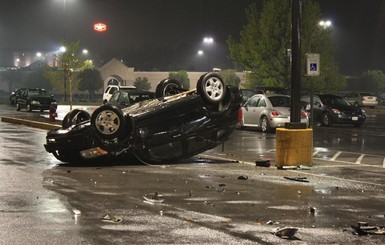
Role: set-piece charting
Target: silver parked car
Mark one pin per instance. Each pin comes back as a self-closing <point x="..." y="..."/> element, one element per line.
<point x="362" y="99"/>
<point x="267" y="112"/>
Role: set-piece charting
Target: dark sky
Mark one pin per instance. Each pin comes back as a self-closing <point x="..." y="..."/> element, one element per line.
<point x="163" y="34"/>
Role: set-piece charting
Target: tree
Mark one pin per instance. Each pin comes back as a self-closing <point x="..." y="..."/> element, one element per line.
<point x="142" y="83"/>
<point x="12" y="77"/>
<point x="372" y="80"/>
<point x="90" y="80"/>
<point x="182" y="77"/>
<point x="264" y="46"/>
<point x="64" y="78"/>
<point x="230" y="78"/>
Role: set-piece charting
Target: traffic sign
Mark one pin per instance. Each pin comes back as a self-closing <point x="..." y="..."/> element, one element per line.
<point x="312" y="64"/>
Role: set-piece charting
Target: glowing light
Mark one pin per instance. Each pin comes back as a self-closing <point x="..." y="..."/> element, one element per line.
<point x="100" y="27"/>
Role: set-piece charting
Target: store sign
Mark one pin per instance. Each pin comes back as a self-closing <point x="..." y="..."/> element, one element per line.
<point x="100" y="27"/>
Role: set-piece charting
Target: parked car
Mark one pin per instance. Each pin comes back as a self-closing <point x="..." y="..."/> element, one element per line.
<point x="127" y="97"/>
<point x="267" y="112"/>
<point x="34" y="99"/>
<point x="362" y="99"/>
<point x="164" y="129"/>
<point x="112" y="89"/>
<point x="329" y="109"/>
<point x="15" y="93"/>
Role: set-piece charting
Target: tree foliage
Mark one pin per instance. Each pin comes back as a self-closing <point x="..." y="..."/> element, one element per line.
<point x="182" y="77"/>
<point x="12" y="77"/>
<point x="230" y="78"/>
<point x="372" y="80"/>
<point x="142" y="83"/>
<point x="264" y="46"/>
<point x="90" y="80"/>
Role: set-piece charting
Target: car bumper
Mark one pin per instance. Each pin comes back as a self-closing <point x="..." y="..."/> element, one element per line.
<point x="349" y="119"/>
<point x="280" y="122"/>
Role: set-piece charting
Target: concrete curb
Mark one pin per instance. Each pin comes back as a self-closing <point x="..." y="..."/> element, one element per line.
<point x="42" y="125"/>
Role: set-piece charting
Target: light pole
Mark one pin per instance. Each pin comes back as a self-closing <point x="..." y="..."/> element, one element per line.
<point x="208" y="41"/>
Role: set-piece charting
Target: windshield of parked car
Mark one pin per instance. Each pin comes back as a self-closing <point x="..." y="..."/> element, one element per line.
<point x="335" y="101"/>
<point x="280" y="101"/>
<point x="36" y="92"/>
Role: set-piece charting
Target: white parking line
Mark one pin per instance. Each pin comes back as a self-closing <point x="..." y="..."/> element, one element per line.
<point x="383" y="163"/>
<point x="315" y="153"/>
<point x="359" y="159"/>
<point x="335" y="156"/>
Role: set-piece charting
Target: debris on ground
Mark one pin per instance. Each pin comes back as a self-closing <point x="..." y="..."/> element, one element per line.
<point x="111" y="218"/>
<point x="363" y="228"/>
<point x="286" y="232"/>
<point x="262" y="163"/>
<point x="299" y="167"/>
<point x="300" y="179"/>
<point x="154" y="197"/>
<point x="243" y="177"/>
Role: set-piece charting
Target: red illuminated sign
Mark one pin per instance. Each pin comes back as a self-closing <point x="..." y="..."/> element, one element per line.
<point x="100" y="27"/>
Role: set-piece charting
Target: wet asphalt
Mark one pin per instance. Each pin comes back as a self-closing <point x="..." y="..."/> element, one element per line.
<point x="219" y="197"/>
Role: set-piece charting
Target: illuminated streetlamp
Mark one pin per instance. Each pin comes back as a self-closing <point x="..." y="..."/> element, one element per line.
<point x="208" y="41"/>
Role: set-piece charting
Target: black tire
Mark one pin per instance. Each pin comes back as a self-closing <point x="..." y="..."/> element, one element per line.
<point x="212" y="88"/>
<point x="168" y="87"/>
<point x="74" y="117"/>
<point x="109" y="122"/>
<point x="18" y="107"/>
<point x="264" y="124"/>
<point x="326" y="120"/>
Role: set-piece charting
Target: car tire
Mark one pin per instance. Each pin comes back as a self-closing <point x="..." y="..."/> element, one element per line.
<point x="18" y="107"/>
<point x="109" y="122"/>
<point x="168" y="87"/>
<point x="212" y="88"/>
<point x="74" y="117"/>
<point x="326" y="120"/>
<point x="265" y="126"/>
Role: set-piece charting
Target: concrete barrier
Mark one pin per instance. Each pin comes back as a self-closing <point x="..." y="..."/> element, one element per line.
<point x="35" y="124"/>
<point x="294" y="147"/>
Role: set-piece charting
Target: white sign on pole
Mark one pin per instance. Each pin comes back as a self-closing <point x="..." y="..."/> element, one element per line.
<point x="312" y="64"/>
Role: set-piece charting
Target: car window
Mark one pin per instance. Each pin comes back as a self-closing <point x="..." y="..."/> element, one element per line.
<point x="280" y="101"/>
<point x="253" y="102"/>
<point x="262" y="103"/>
<point x="112" y="90"/>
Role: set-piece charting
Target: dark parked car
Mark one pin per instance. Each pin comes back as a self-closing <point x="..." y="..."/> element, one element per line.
<point x="128" y="97"/>
<point x="178" y="125"/>
<point x="14" y="95"/>
<point x="34" y="99"/>
<point x="329" y="109"/>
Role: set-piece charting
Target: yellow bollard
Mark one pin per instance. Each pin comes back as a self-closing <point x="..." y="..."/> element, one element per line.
<point x="294" y="147"/>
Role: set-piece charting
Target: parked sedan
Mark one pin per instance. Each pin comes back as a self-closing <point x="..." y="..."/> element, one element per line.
<point x="128" y="97"/>
<point x="362" y="99"/>
<point x="165" y="129"/>
<point x="34" y="99"/>
<point x="267" y="112"/>
<point x="329" y="109"/>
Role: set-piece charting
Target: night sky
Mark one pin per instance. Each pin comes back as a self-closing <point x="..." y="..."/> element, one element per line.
<point x="166" y="34"/>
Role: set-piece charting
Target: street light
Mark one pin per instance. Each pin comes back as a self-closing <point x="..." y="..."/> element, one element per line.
<point x="325" y="23"/>
<point x="208" y="41"/>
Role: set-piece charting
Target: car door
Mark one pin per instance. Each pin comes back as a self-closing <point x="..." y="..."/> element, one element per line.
<point x="250" y="111"/>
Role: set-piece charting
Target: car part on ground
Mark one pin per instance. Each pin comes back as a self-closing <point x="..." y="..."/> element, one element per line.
<point x="170" y="128"/>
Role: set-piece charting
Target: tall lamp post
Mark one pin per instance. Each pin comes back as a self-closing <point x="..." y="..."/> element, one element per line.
<point x="208" y="41"/>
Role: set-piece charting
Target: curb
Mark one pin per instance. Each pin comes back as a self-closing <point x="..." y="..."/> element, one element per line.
<point x="47" y="126"/>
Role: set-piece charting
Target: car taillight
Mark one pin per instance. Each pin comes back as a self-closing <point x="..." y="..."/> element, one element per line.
<point x="275" y="113"/>
<point x="240" y="115"/>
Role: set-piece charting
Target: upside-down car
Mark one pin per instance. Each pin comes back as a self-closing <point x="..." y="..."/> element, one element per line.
<point x="178" y="124"/>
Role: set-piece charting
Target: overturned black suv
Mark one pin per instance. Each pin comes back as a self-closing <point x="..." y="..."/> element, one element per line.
<point x="178" y="124"/>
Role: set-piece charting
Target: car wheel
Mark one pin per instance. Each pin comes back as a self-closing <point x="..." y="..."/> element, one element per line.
<point x="74" y="117"/>
<point x="212" y="88"/>
<point x="18" y="107"/>
<point x="265" y="126"/>
<point x="168" y="87"/>
<point x="326" y="120"/>
<point x="29" y="108"/>
<point x="109" y="122"/>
